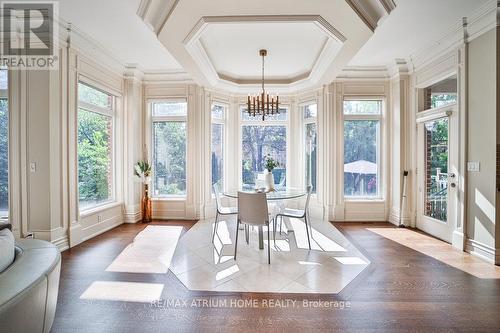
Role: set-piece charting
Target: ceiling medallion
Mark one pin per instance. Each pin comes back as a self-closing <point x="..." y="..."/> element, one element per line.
<point x="263" y="104"/>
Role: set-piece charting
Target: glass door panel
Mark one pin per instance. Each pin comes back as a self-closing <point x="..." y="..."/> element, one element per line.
<point x="436" y="169"/>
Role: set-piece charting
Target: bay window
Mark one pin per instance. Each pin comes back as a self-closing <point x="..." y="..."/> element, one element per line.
<point x="4" y="146"/>
<point x="260" y="139"/>
<point x="218" y="114"/>
<point x="362" y="121"/>
<point x="310" y="114"/>
<point x="169" y="131"/>
<point x="95" y="146"/>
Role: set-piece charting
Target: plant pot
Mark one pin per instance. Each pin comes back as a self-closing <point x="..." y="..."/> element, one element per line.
<point x="146" y="205"/>
<point x="269" y="180"/>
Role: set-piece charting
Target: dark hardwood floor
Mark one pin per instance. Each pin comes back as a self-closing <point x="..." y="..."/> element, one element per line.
<point x="401" y="291"/>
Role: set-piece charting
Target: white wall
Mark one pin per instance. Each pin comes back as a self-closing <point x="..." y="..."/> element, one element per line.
<point x="482" y="137"/>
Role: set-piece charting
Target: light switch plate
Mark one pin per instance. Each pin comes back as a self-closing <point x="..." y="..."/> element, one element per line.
<point x="473" y="166"/>
<point x="32" y="167"/>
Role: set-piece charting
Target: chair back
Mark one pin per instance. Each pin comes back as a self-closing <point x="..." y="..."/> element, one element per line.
<point x="217" y="195"/>
<point x="252" y="208"/>
<point x="308" y="198"/>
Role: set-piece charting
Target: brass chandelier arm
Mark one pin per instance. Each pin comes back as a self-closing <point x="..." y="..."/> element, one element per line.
<point x="259" y="104"/>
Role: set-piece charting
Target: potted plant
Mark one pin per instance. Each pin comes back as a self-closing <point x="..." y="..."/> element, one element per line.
<point x="142" y="171"/>
<point x="269" y="164"/>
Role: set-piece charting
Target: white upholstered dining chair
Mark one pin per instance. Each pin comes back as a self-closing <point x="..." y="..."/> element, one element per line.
<point x="298" y="214"/>
<point x="221" y="210"/>
<point x="253" y="211"/>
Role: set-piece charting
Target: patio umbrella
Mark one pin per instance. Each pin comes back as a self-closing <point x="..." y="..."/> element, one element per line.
<point x="361" y="167"/>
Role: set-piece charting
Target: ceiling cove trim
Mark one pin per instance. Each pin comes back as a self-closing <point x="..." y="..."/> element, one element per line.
<point x="479" y="22"/>
<point x="330" y="48"/>
<point x="317" y="19"/>
<point x="372" y="11"/>
<point x="155" y="13"/>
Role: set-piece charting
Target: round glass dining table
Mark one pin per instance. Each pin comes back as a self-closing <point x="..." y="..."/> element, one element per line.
<point x="282" y="194"/>
<point x="287" y="193"/>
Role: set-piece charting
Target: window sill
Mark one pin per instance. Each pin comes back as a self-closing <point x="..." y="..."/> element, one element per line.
<point x="171" y="198"/>
<point x="100" y="208"/>
<point x="361" y="200"/>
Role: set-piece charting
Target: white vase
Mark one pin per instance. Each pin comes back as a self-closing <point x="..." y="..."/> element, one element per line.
<point x="269" y="180"/>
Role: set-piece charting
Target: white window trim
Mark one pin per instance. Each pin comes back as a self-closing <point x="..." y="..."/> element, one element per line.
<point x="381" y="138"/>
<point x="152" y="120"/>
<point x="305" y="122"/>
<point x="242" y="122"/>
<point x="108" y="113"/>
<point x="222" y="122"/>
<point x="4" y="94"/>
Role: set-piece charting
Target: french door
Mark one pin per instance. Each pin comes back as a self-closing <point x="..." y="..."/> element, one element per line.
<point x="436" y="174"/>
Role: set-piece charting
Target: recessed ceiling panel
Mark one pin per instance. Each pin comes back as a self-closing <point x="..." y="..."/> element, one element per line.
<point x="293" y="48"/>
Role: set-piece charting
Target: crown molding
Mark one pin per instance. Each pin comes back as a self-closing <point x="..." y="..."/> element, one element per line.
<point x="371" y="12"/>
<point x="197" y="51"/>
<point x="364" y="73"/>
<point x="479" y="22"/>
<point x="155" y="13"/>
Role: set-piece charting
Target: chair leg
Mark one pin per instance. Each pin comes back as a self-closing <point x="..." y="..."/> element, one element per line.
<point x="247" y="233"/>
<point x="216" y="225"/>
<point x="268" y="245"/>
<point x="274" y="229"/>
<point x="307" y="229"/>
<point x="236" y="241"/>
<point x="281" y="223"/>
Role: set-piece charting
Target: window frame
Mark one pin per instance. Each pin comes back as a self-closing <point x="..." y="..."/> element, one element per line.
<point x="242" y="122"/>
<point x="4" y="94"/>
<point x="107" y="113"/>
<point x="222" y="122"/>
<point x="305" y="122"/>
<point x="179" y="119"/>
<point x="381" y="158"/>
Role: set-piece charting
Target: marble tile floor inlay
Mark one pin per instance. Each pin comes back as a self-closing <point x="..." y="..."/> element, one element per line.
<point x="331" y="264"/>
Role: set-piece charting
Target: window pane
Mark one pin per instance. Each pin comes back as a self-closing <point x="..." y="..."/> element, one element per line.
<point x="4" y="157"/>
<point x="281" y="116"/>
<point x="169" y="158"/>
<point x="362" y="107"/>
<point x="4" y="80"/>
<point x="218" y="111"/>
<point x="441" y="94"/>
<point x="311" y="154"/>
<point x="310" y="111"/>
<point x="360" y="158"/>
<point x="170" y="109"/>
<point x="94" y="158"/>
<point x="436" y="169"/>
<point x="93" y="96"/>
<point x="217" y="154"/>
<point x="257" y="142"/>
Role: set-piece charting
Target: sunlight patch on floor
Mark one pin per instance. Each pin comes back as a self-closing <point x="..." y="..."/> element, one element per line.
<point x="123" y="291"/>
<point x="441" y="251"/>
<point x="151" y="251"/>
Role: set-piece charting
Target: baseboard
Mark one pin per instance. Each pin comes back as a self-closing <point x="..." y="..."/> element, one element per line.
<point x="133" y="217"/>
<point x="480" y="250"/>
<point x="62" y="243"/>
<point x="457" y="240"/>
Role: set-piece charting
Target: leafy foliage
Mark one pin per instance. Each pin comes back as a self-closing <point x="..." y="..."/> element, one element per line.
<point x="169" y="158"/>
<point x="259" y="142"/>
<point x="270" y="163"/>
<point x="142" y="170"/>
<point x="360" y="143"/>
<point x="94" y="157"/>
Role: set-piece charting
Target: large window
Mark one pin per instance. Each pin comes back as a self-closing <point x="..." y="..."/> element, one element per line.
<point x="217" y="157"/>
<point x="95" y="146"/>
<point x="310" y="114"/>
<point x="260" y="139"/>
<point x="169" y="148"/>
<point x="4" y="146"/>
<point x="362" y="148"/>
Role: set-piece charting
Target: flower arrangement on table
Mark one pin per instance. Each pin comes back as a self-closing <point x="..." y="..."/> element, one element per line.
<point x="269" y="164"/>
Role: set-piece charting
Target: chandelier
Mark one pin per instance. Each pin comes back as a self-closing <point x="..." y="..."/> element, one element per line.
<point x="263" y="105"/>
